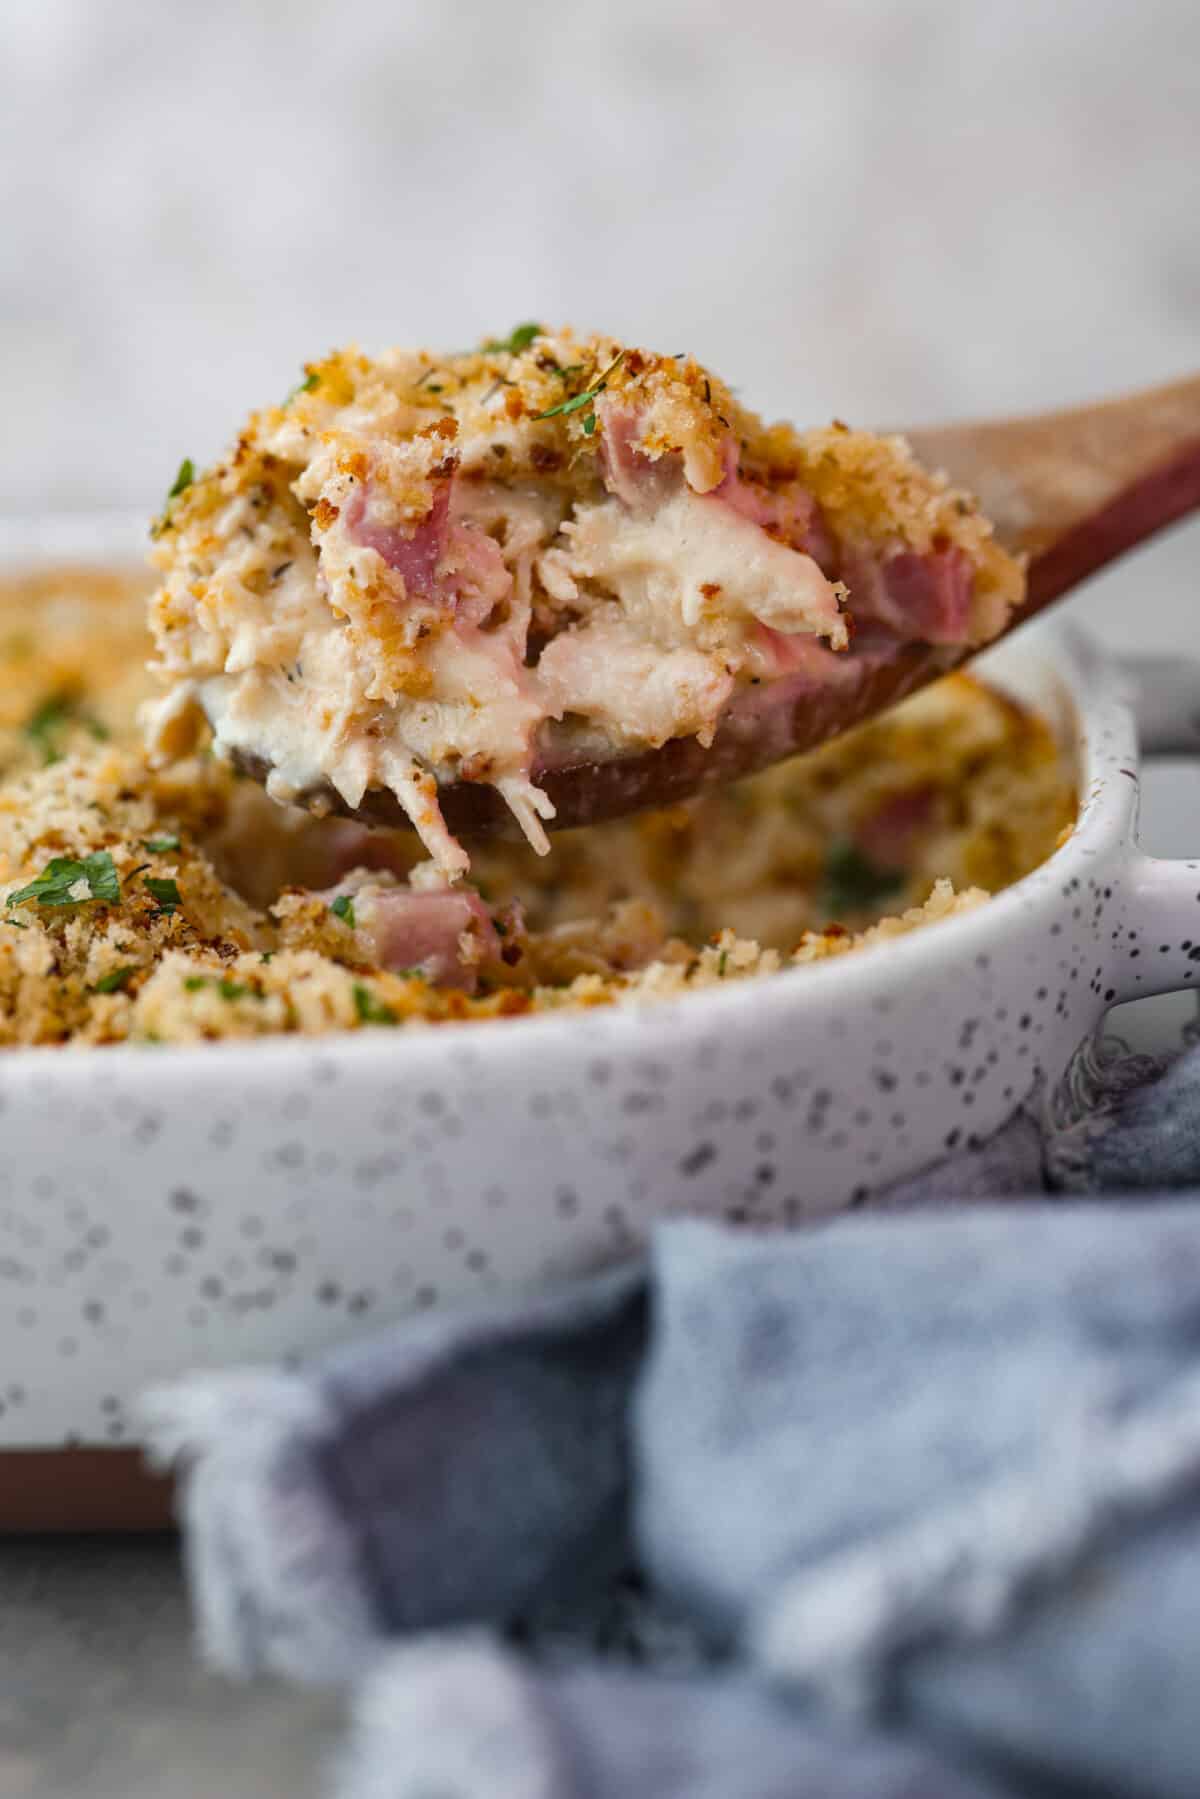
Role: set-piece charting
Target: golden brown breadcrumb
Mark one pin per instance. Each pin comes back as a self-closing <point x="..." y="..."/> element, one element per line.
<point x="216" y="930"/>
<point x="424" y="568"/>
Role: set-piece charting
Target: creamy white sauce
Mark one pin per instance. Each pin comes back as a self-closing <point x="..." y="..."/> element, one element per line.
<point x="666" y="606"/>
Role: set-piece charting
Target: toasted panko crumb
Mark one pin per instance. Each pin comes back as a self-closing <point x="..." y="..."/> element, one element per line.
<point x="483" y="413"/>
<point x="222" y="930"/>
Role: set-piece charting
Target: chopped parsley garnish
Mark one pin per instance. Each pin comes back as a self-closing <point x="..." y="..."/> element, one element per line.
<point x="853" y="881"/>
<point x="303" y="387"/>
<point x="227" y="988"/>
<point x="369" y="1009"/>
<point x="343" y="908"/>
<point x="115" y="980"/>
<point x="183" y="480"/>
<point x="166" y="892"/>
<point x="54" y="715"/>
<point x="587" y="398"/>
<point x="66" y="881"/>
<point x="519" y="338"/>
<point x="45" y="723"/>
<point x="160" y="846"/>
<point x="723" y="962"/>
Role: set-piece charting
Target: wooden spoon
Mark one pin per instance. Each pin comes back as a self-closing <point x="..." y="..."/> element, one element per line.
<point x="1072" y="491"/>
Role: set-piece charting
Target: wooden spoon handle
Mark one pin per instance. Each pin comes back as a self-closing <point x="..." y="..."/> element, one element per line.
<point x="1074" y="490"/>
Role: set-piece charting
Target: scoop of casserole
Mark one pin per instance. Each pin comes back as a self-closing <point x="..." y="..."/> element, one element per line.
<point x="406" y="573"/>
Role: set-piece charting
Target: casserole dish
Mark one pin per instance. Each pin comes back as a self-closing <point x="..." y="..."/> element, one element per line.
<point x="167" y="1209"/>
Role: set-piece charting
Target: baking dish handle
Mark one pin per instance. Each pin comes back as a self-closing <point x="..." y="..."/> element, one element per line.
<point x="1159" y="950"/>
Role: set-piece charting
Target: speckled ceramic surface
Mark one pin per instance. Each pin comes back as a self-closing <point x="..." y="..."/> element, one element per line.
<point x="162" y="1210"/>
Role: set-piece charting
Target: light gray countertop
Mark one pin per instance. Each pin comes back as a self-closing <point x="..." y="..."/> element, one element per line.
<point x="100" y="1693"/>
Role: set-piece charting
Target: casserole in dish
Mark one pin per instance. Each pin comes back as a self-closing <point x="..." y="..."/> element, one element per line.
<point x="163" y="1209"/>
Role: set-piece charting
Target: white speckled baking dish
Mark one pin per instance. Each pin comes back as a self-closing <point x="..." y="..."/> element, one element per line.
<point x="167" y="1209"/>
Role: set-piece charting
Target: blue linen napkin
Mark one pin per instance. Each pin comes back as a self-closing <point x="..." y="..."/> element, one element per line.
<point x="901" y="1503"/>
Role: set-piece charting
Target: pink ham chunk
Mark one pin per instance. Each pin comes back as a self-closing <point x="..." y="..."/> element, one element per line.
<point x="890" y="834"/>
<point x="445" y="933"/>
<point x="442" y="560"/>
<point x="414" y="555"/>
<point x="788" y="513"/>
<point x="923" y="597"/>
<point x="636" y="479"/>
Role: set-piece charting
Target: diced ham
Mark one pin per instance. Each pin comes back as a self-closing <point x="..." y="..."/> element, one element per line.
<point x="445" y="932"/>
<point x="788" y="513"/>
<point x="414" y="554"/>
<point x="637" y="479"/>
<point x="448" y="563"/>
<point x="932" y="593"/>
<point x="889" y="834"/>
<point x="473" y="573"/>
<point x="924" y="597"/>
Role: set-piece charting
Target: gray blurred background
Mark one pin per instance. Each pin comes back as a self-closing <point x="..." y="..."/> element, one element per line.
<point x="888" y="211"/>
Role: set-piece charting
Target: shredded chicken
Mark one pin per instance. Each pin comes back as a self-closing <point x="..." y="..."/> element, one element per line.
<point x="419" y="565"/>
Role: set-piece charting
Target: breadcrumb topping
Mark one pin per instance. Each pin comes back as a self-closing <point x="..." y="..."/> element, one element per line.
<point x="180" y="905"/>
<point x="421" y="567"/>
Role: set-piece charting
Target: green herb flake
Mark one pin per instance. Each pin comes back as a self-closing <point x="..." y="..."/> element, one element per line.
<point x="303" y="387"/>
<point x="518" y="339"/>
<point x="369" y="1009"/>
<point x="166" y="892"/>
<point x="54" y="715"/>
<point x="587" y="398"/>
<point x="161" y="846"/>
<point x="343" y="908"/>
<point x="46" y="721"/>
<point x="115" y="979"/>
<point x="183" y="480"/>
<point x="222" y="984"/>
<point x="853" y="882"/>
<point x="722" y="963"/>
<point x="63" y="876"/>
